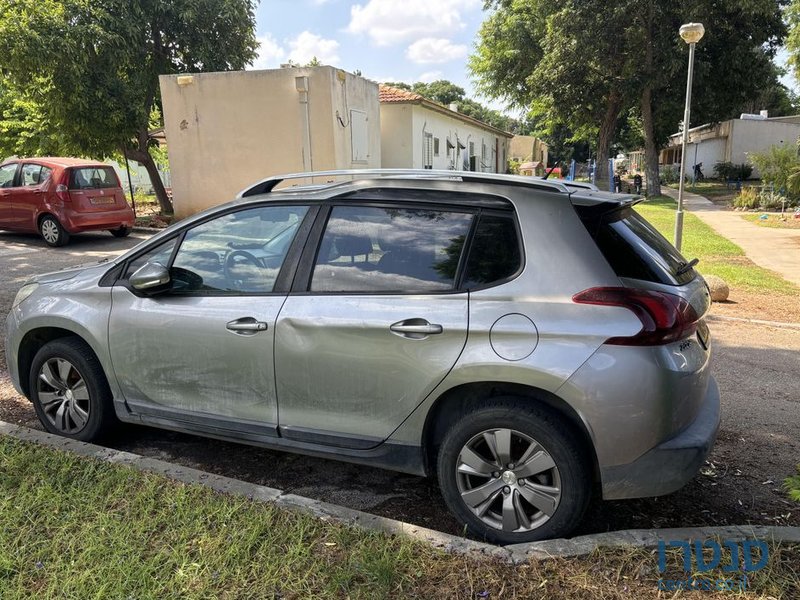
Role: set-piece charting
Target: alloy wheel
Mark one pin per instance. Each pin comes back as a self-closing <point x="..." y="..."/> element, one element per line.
<point x="508" y="480"/>
<point x="63" y="395"/>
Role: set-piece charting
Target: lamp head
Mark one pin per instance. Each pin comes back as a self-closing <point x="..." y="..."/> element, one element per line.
<point x="692" y="32"/>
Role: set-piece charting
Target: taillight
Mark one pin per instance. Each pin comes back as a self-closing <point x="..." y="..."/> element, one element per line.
<point x="62" y="189"/>
<point x="665" y="317"/>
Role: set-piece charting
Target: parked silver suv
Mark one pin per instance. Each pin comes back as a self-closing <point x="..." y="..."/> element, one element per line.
<point x="525" y="341"/>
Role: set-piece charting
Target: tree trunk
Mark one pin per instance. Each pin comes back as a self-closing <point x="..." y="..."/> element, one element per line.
<point x="604" y="138"/>
<point x="648" y="125"/>
<point x="650" y="148"/>
<point x="143" y="157"/>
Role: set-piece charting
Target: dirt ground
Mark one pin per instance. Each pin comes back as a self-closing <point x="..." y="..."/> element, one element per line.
<point x="757" y="368"/>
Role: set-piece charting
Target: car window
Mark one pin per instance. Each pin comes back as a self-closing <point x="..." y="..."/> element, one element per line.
<point x="369" y="249"/>
<point x="495" y="251"/>
<point x="7" y="175"/>
<point x="159" y="254"/>
<point x="33" y="174"/>
<point x="93" y="178"/>
<point x="238" y="253"/>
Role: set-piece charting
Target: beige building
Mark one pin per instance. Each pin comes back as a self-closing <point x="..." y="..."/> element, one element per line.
<point x="530" y="152"/>
<point x="229" y="130"/>
<point x="731" y="141"/>
<point x="417" y="133"/>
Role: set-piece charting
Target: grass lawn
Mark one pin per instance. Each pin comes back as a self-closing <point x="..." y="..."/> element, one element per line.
<point x="710" y="189"/>
<point x="73" y="527"/>
<point x="718" y="256"/>
<point x="774" y="220"/>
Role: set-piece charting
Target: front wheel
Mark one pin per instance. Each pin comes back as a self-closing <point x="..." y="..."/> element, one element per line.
<point x="513" y="472"/>
<point x="53" y="232"/>
<point x="69" y="390"/>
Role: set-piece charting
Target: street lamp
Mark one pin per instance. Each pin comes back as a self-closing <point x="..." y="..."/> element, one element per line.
<point x="691" y="34"/>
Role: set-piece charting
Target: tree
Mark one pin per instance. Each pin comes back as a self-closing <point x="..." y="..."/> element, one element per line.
<point x="85" y="72"/>
<point x="585" y="64"/>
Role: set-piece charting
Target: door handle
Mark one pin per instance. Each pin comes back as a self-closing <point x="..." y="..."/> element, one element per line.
<point x="246" y="326"/>
<point x="415" y="329"/>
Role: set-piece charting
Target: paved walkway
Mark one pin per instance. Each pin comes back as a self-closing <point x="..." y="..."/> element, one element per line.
<point x="774" y="249"/>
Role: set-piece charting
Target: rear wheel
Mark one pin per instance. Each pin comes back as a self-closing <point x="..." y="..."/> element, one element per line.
<point x="513" y="472"/>
<point x="121" y="232"/>
<point x="69" y="390"/>
<point x="52" y="231"/>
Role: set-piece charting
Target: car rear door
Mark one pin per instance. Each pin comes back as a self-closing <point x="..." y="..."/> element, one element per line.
<point x="374" y="323"/>
<point x="30" y="195"/>
<point x="201" y="355"/>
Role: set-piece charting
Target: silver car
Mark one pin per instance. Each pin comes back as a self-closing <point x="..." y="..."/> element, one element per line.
<point x="526" y="342"/>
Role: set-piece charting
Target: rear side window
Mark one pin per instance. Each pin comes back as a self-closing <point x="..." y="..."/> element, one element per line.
<point x="396" y="250"/>
<point x="92" y="178"/>
<point x="635" y="250"/>
<point x="495" y="253"/>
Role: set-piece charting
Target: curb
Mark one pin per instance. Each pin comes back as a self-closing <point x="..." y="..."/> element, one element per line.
<point x="517" y="553"/>
<point x="779" y="324"/>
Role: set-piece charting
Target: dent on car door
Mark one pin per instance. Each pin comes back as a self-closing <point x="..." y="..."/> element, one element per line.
<point x="202" y="352"/>
<point x="379" y="327"/>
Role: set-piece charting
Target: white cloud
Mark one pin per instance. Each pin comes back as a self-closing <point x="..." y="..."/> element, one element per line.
<point x="431" y="76"/>
<point x="435" y="51"/>
<point x="270" y="53"/>
<point x="307" y="45"/>
<point x="391" y="21"/>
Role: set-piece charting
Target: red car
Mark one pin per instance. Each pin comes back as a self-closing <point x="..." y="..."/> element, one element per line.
<point x="61" y="196"/>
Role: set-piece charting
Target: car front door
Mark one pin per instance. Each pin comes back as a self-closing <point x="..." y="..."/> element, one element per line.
<point x="376" y="325"/>
<point x="201" y="354"/>
<point x="8" y="174"/>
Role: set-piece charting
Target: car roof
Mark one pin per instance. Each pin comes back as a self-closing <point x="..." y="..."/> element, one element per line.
<point x="580" y="193"/>
<point x="60" y="161"/>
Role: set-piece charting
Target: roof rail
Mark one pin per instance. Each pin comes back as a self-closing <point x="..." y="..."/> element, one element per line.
<point x="270" y="183"/>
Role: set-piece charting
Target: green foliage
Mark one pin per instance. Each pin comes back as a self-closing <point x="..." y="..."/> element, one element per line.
<point x="83" y="74"/>
<point x="792" y="486"/>
<point x="670" y="174"/>
<point x="513" y="166"/>
<point x="728" y="171"/>
<point x="776" y="166"/>
<point x="747" y="198"/>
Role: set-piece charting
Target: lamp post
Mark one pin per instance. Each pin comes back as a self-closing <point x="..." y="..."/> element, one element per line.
<point x="691" y="34"/>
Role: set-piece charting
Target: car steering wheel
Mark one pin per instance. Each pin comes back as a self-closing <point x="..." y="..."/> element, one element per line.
<point x="230" y="262"/>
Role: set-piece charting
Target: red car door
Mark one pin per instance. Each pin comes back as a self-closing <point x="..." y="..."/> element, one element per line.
<point x="30" y="195"/>
<point x="8" y="173"/>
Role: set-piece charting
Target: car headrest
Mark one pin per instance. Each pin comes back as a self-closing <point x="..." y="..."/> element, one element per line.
<point x="352" y="245"/>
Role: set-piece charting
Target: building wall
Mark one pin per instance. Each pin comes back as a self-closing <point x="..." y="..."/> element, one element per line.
<point x="528" y="148"/>
<point x="707" y="152"/>
<point x="758" y="136"/>
<point x="453" y="129"/>
<point x="226" y="131"/>
<point x="397" y="150"/>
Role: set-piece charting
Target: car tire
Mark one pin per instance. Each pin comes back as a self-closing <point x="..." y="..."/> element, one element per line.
<point x="70" y="392"/>
<point x="52" y="232"/>
<point x="121" y="232"/>
<point x="544" y="495"/>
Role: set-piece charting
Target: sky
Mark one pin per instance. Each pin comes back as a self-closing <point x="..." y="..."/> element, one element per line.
<point x="387" y="40"/>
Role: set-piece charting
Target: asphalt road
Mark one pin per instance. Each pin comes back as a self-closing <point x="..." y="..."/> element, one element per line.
<point x="757" y="367"/>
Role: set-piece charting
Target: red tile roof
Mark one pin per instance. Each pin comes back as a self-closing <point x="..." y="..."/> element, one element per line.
<point x="388" y="93"/>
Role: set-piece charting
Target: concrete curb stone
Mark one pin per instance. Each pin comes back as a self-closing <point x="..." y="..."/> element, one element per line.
<point x="517" y="553"/>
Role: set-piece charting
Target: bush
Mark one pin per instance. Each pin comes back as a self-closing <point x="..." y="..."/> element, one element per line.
<point x="748" y="198"/>
<point x="669" y="174"/>
<point x="776" y="166"/>
<point x="727" y="171"/>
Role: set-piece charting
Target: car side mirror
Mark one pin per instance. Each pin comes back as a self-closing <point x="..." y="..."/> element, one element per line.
<point x="151" y="278"/>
